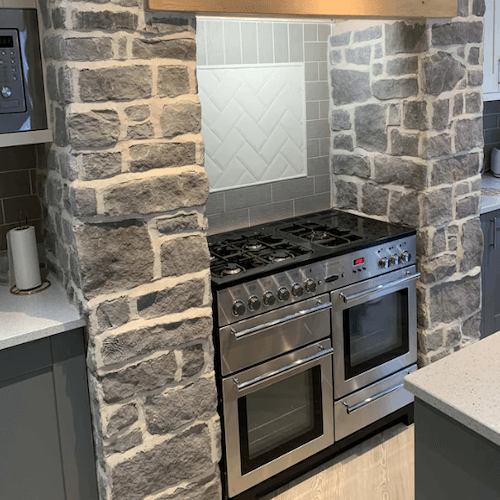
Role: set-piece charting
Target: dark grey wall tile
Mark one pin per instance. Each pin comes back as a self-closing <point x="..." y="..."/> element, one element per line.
<point x="317" y="91"/>
<point x="312" y="203"/>
<point x="228" y="221"/>
<point x="296" y="41"/>
<point x="322" y="184"/>
<point x="15" y="184"/>
<point x="312" y="148"/>
<point x="490" y="121"/>
<point x="310" y="32"/>
<point x="2" y="218"/>
<point x="323" y="71"/>
<point x="249" y="42"/>
<point x="324" y="31"/>
<point x="271" y="212"/>
<point x="312" y="110"/>
<point x="324" y="146"/>
<point x="248" y="197"/>
<point x="311" y="71"/>
<point x="324" y="109"/>
<point x="292" y="188"/>
<point x="317" y="129"/>
<point x="318" y="166"/>
<point x="215" y="203"/>
<point x="17" y="158"/>
<point x="316" y="51"/>
<point x="25" y="204"/>
<point x="491" y="107"/>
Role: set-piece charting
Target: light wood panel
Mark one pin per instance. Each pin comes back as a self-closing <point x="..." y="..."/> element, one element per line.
<point x="325" y="8"/>
<point x="380" y="468"/>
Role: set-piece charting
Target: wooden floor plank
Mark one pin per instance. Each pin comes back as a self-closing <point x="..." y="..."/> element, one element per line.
<point x="380" y="468"/>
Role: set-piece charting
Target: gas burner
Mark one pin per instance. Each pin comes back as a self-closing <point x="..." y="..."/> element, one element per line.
<point x="279" y="256"/>
<point x="231" y="269"/>
<point x="318" y="236"/>
<point x="253" y="245"/>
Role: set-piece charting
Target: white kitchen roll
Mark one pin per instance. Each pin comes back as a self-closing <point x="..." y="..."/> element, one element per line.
<point x="23" y="258"/>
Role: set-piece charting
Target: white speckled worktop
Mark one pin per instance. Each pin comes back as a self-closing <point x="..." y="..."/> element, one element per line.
<point x="465" y="386"/>
<point x="27" y="318"/>
<point x="489" y="200"/>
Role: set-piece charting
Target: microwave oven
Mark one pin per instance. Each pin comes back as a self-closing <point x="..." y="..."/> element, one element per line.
<point x="23" y="98"/>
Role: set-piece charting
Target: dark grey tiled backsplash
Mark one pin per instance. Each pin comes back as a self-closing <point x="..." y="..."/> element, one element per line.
<point x="491" y="128"/>
<point x="18" y="190"/>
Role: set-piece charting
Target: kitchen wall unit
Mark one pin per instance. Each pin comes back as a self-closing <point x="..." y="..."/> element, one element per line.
<point x="383" y="8"/>
<point x="491" y="86"/>
<point x="490" y="270"/>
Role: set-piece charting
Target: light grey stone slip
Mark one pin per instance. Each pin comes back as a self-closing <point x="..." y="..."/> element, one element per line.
<point x="464" y="386"/>
<point x="27" y="318"/>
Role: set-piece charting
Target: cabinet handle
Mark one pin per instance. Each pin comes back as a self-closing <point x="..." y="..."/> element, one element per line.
<point x="494" y="232"/>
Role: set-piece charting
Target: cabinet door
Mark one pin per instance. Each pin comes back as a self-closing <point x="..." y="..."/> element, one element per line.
<point x="491" y="88"/>
<point x="30" y="458"/>
<point x="490" y="224"/>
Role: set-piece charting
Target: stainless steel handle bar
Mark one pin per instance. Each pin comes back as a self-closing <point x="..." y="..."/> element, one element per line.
<point x="352" y="408"/>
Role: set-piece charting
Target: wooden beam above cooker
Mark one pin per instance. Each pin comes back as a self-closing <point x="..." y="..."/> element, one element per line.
<point x="324" y="8"/>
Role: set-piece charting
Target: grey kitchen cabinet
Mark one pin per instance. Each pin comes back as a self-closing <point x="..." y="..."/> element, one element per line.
<point x="490" y="274"/>
<point x="46" y="447"/>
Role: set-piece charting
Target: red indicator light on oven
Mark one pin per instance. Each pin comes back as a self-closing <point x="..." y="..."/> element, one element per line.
<point x="361" y="260"/>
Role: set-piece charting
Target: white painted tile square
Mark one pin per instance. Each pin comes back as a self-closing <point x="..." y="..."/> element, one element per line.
<point x="253" y="123"/>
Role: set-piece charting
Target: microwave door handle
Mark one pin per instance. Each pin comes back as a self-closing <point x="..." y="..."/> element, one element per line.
<point x="266" y="376"/>
<point x="300" y="314"/>
<point x="366" y="293"/>
<point x="352" y="408"/>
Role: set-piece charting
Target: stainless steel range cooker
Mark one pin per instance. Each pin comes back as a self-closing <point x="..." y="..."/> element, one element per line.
<point x="315" y="329"/>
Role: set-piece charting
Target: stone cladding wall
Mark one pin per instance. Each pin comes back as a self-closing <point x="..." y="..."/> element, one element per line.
<point x="123" y="192"/>
<point x="407" y="144"/>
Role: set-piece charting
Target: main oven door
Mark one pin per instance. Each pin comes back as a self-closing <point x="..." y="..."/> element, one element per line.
<point x="277" y="414"/>
<point x="374" y="329"/>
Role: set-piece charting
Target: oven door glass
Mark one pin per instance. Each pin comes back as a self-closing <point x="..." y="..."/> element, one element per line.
<point x="375" y="332"/>
<point x="279" y="418"/>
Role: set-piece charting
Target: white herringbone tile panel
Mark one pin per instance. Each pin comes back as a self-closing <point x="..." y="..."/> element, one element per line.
<point x="253" y="123"/>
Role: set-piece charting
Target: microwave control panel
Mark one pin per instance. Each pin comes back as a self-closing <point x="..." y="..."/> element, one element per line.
<point x="12" y="99"/>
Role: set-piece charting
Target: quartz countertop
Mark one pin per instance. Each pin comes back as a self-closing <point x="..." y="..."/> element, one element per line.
<point x="32" y="317"/>
<point x="490" y="193"/>
<point x="465" y="386"/>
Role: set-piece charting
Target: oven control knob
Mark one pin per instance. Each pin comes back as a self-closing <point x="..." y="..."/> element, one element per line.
<point x="269" y="299"/>
<point x="405" y="257"/>
<point x="382" y="263"/>
<point x="297" y="289"/>
<point x="283" y="294"/>
<point x="393" y="260"/>
<point x="310" y="285"/>
<point x="238" y="308"/>
<point x="254" y="303"/>
<point x="6" y="92"/>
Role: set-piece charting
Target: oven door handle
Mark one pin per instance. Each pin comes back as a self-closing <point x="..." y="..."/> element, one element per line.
<point x="266" y="376"/>
<point x="352" y="408"/>
<point x="366" y="293"/>
<point x="300" y="314"/>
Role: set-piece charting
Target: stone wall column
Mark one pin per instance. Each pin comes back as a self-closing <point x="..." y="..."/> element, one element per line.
<point x="124" y="191"/>
<point x="407" y="148"/>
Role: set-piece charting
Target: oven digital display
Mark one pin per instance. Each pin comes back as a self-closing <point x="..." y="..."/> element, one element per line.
<point x="6" y="42"/>
<point x="359" y="261"/>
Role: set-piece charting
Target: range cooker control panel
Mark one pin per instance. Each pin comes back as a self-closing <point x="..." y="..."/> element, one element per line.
<point x="271" y="292"/>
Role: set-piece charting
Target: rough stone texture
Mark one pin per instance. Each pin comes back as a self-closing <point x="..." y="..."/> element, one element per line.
<point x="472" y="243"/>
<point x="437" y="145"/>
<point x="375" y="200"/>
<point x="457" y="33"/>
<point x="438" y="268"/>
<point x="415" y="115"/>
<point x="193" y="360"/>
<point x="125" y="416"/>
<point x="98" y="128"/>
<point x="179" y="48"/>
<point x="340" y="40"/>
<point x="83" y="202"/>
<point x="178" y="223"/>
<point x="407" y="173"/>
<point x="394" y="115"/>
<point x="475" y="78"/>
<point x="404" y="144"/>
<point x="211" y="491"/>
<point x="171" y="300"/>
<point x="468" y="206"/>
<point x="173" y="81"/>
<point x="437" y="207"/>
<point x="137" y="113"/>
<point x="186" y="455"/>
<point x="183" y="255"/>
<point x="470" y="327"/>
<point x="104" y="20"/>
<point x="473" y="58"/>
<point x="173" y="154"/>
<point x="370" y="127"/>
<point x="372" y="33"/>
<point x="395" y="89"/>
<point x="108" y="256"/>
<point x="120" y="444"/>
<point x="469" y="134"/>
<point x="458" y="104"/>
<point x="454" y="169"/>
<point x="145" y="376"/>
<point x="351" y="165"/>
<point x="175" y="408"/>
<point x="146" y="196"/>
<point x="361" y="55"/>
<point x="343" y="142"/>
<point x="113" y="313"/>
<point x="403" y="208"/>
<point x="455" y="299"/>
<point x="181" y="118"/>
<point x="147" y="340"/>
<point x="478" y="7"/>
<point x="473" y="102"/>
<point x="440" y="73"/>
<point x="404" y="37"/>
<point x="346" y="195"/>
<point x="100" y="165"/>
<point x="340" y="120"/>
<point x="350" y="86"/>
<point x="441" y="114"/>
<point x="402" y="66"/>
<point x="141" y="131"/>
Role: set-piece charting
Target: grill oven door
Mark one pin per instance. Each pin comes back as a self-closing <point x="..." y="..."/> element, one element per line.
<point x="374" y="329"/>
<point x="277" y="414"/>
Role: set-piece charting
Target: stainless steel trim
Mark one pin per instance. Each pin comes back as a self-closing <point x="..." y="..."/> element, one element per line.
<point x="494" y="232"/>
<point x="243" y="385"/>
<point x="279" y="321"/>
<point x="350" y="409"/>
<point x="362" y="295"/>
